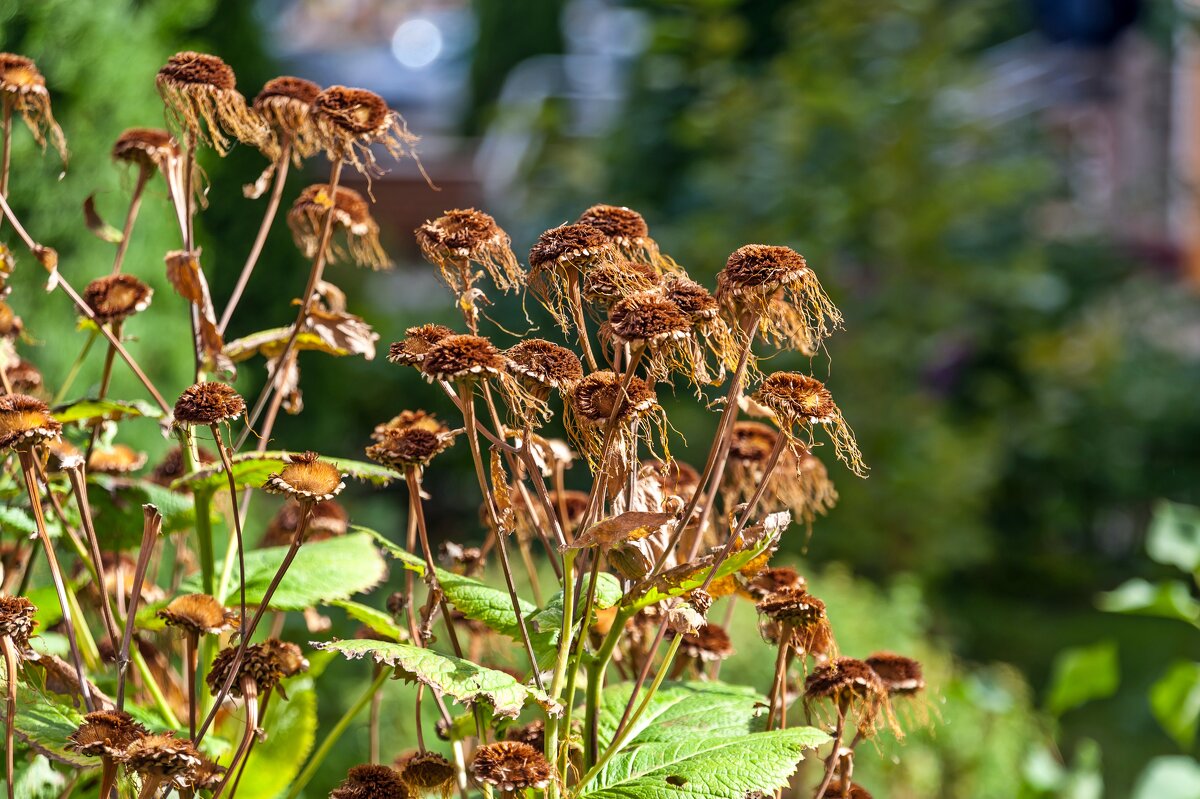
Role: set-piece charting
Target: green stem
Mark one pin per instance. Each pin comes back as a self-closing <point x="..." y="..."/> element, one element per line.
<point x="596" y="672"/>
<point x="160" y="700"/>
<point x="202" y="499"/>
<point x="564" y="652"/>
<point x="73" y="372"/>
<point x="338" y="729"/>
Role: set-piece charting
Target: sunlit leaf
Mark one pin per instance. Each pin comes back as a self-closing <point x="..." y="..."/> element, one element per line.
<point x="1174" y="536"/>
<point x="253" y="469"/>
<point x="1081" y="675"/>
<point x="1175" y="701"/>
<point x="91" y="411"/>
<point x="379" y="622"/>
<point x="1170" y="599"/>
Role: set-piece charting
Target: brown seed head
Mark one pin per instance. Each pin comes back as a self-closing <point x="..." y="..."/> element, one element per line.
<point x="20" y="75"/>
<point x="461" y="233"/>
<point x="692" y="299"/>
<point x="413" y="446"/>
<point x="371" y="781"/>
<point x="351" y="214"/>
<point x="533" y="733"/>
<point x="350" y="210"/>
<point x="622" y="225"/>
<point x="607" y="283"/>
<point x="596" y="396"/>
<point x="760" y="268"/>
<point x="567" y="243"/>
<point x="776" y="579"/>
<point x="297" y="91"/>
<point x="149" y="148"/>
<point x="795" y="397"/>
<point x="353" y="112"/>
<point x="544" y="363"/>
<point x="792" y="605"/>
<point x="171" y="467"/>
<point x="287" y="656"/>
<point x="329" y="520"/>
<point x="16" y="620"/>
<point x="265" y="664"/>
<point x="113" y="298"/>
<point x="197" y="69"/>
<point x="106" y="733"/>
<point x="418" y="341"/>
<point x="208" y="403"/>
<point x="206" y="776"/>
<point x="511" y="766"/>
<point x="709" y="643"/>
<point x="462" y="356"/>
<point x="840" y="790"/>
<point x="406" y="419"/>
<point x="116" y="459"/>
<point x="161" y="755"/>
<point x="844" y="680"/>
<point x="752" y="442"/>
<point x="198" y="614"/>
<point x="307" y="477"/>
<point x="428" y="773"/>
<point x="900" y="675"/>
<point x="24" y="377"/>
<point x="648" y="318"/>
<point x="25" y="421"/>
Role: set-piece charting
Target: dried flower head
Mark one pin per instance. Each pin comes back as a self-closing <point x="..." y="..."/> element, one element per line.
<point x="511" y="766"/>
<point x="115" y="459"/>
<point x="198" y="614"/>
<point x="841" y="790"/>
<point x="627" y="230"/>
<point x="852" y="687"/>
<point x="543" y="365"/>
<point x="533" y="733"/>
<point x="708" y="644"/>
<point x="23" y="86"/>
<point x="800" y="401"/>
<point x="762" y="584"/>
<point x="288" y="657"/>
<point x="402" y="448"/>
<point x="417" y="343"/>
<point x="10" y="324"/>
<point x="798" y="482"/>
<point x="25" y="422"/>
<point x="285" y="104"/>
<point x="775" y="286"/>
<point x="349" y="121"/>
<point x="458" y="357"/>
<point x="263" y="664"/>
<point x="428" y="773"/>
<point x="172" y="466"/>
<point x="208" y="403"/>
<point x="351" y="214"/>
<point x="606" y="283"/>
<point x="460" y="238"/>
<point x="467" y="561"/>
<point x="648" y="318"/>
<point x="600" y="396"/>
<point x="711" y="331"/>
<point x="200" y="94"/>
<point x="557" y="260"/>
<point x="206" y="776"/>
<point x="901" y="676"/>
<point x="798" y="618"/>
<point x="148" y="148"/>
<point x="406" y="419"/>
<point x="106" y="733"/>
<point x="307" y="477"/>
<point x="16" y="620"/>
<point x="327" y="520"/>
<point x="161" y="756"/>
<point x="114" y="298"/>
<point x="23" y="376"/>
<point x="371" y="781"/>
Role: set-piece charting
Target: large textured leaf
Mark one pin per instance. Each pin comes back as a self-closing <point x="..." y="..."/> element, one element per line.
<point x="322" y="572"/>
<point x="117" y="508"/>
<point x="44" y="724"/>
<point x="682" y="710"/>
<point x="291" y="730"/>
<point x="97" y="410"/>
<point x="459" y="679"/>
<point x="699" y="766"/>
<point x="253" y="469"/>
<point x="378" y="621"/>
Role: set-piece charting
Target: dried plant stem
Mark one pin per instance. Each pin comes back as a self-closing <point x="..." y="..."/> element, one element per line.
<point x="282" y="163"/>
<point x="832" y="761"/>
<point x="779" y="682"/>
<point x="76" y="365"/>
<point x="314" y="277"/>
<point x="10" y="715"/>
<point x="564" y="651"/>
<point x="576" y="300"/>
<point x="643" y="675"/>
<point x="373" y="726"/>
<point x="135" y="203"/>
<point x="29" y="471"/>
<point x="191" y="645"/>
<point x="237" y="519"/>
<point x="75" y="474"/>
<point x="151" y="527"/>
<point x="6" y="132"/>
<point x="150" y="787"/>
<point x="247" y="631"/>
<point x="599" y="484"/>
<point x="596" y="673"/>
<point x="412" y="478"/>
<point x="249" y="690"/>
<point x="314" y="763"/>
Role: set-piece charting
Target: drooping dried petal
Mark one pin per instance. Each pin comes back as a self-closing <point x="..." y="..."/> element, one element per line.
<point x="201" y="98"/>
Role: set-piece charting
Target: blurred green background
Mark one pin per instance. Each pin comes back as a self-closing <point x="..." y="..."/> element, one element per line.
<point x="992" y="193"/>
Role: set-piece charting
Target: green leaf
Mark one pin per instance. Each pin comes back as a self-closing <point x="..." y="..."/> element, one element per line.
<point x="1081" y="675"/>
<point x="44" y="724"/>
<point x="674" y="583"/>
<point x="1175" y="701"/>
<point x="681" y="710"/>
<point x="15" y="520"/>
<point x="117" y="509"/>
<point x="291" y="731"/>
<point x="98" y="410"/>
<point x="459" y="679"/>
<point x="322" y="572"/>
<point x="608" y="594"/>
<point x="1172" y="777"/>
<point x="1174" y="536"/>
<point x="702" y="767"/>
<point x="379" y="622"/>
<point x="38" y="779"/>
<point x="1170" y="599"/>
<point x="253" y="469"/>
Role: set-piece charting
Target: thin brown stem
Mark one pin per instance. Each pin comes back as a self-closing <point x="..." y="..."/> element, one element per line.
<point x="105" y="381"/>
<point x="281" y="171"/>
<point x="576" y="301"/>
<point x="412" y="478"/>
<point x="237" y="519"/>
<point x="135" y="203"/>
<point x="191" y="642"/>
<point x="832" y="761"/>
<point x="75" y="476"/>
<point x="10" y="716"/>
<point x="779" y="682"/>
<point x="151" y="527"/>
<point x="249" y="689"/>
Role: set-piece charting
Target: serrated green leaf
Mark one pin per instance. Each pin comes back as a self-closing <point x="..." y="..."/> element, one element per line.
<point x="252" y="469"/>
<point x="15" y="520"/>
<point x="98" y="410"/>
<point x="117" y="509"/>
<point x="1081" y="675"/>
<point x="291" y="731"/>
<point x="702" y="767"/>
<point x="44" y="724"/>
<point x="379" y="622"/>
<point x="1175" y="701"/>
<point x="549" y="618"/>
<point x="655" y="591"/>
<point x="322" y="572"/>
<point x="1174" y="536"/>
<point x="681" y="710"/>
<point x="37" y="779"/>
<point x="459" y="679"/>
<point x="1170" y="599"/>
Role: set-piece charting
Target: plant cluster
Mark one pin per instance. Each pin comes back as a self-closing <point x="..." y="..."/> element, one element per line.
<point x="617" y="693"/>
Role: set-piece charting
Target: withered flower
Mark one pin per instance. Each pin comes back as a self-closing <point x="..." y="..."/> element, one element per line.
<point x="288" y="657"/>
<point x="626" y="229"/>
<point x="597" y="398"/>
<point x="763" y="583"/>
<point x="533" y="733"/>
<point x="148" y="148"/>
<point x="400" y="448"/>
<point x="852" y="687"/>
<point x="799" y="481"/>
<point x="198" y="614"/>
<point x="11" y="325"/>
<point x="351" y="214"/>
<point x="263" y="664"/>
<point x="652" y="321"/>
<point x="428" y="773"/>
<point x="116" y="459"/>
<point x="24" y="377"/>
<point x="207" y="404"/>
<point x="204" y="777"/>
<point x="285" y="104"/>
<point x="16" y="620"/>
<point x="511" y="766"/>
<point x="557" y="260"/>
<point x="160" y="757"/>
<point x="708" y="644"/>
<point x="349" y="121"/>
<point x="462" y="237"/>
<point x="543" y="365"/>
<point x="901" y="676"/>
<point x="25" y="422"/>
<point x="307" y="477"/>
<point x="711" y="332"/>
<point x="462" y="356"/>
<point x="370" y="781"/>
<point x="406" y="419"/>
<point x="106" y="733"/>
<point x="800" y="401"/>
<point x="114" y="298"/>
<point x="418" y="341"/>
<point x="840" y="790"/>
<point x="200" y="95"/>
<point x="172" y="466"/>
<point x="797" y="618"/>
<point x="327" y="520"/>
<point x="23" y="85"/>
<point x="569" y="506"/>
<point x="606" y="283"/>
<point x="775" y="286"/>
<point x="467" y="561"/>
